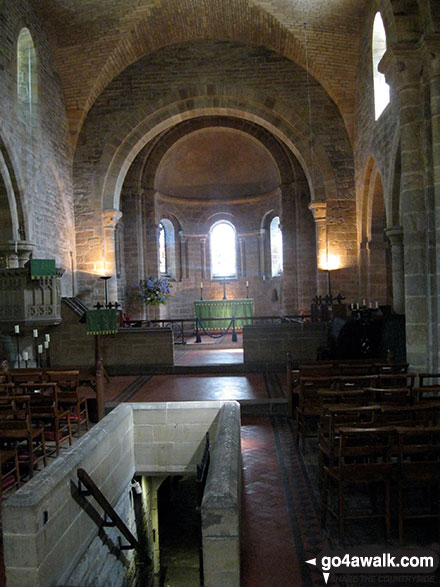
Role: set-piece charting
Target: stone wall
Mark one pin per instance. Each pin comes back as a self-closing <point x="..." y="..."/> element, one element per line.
<point x="35" y="146"/>
<point x="129" y="351"/>
<point x="267" y="344"/>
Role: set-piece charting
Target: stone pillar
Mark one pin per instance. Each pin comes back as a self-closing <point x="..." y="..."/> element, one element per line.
<point x="151" y="235"/>
<point x="110" y="219"/>
<point x="431" y="67"/>
<point x="184" y="255"/>
<point x="262" y="252"/>
<point x="395" y="236"/>
<point x="319" y="211"/>
<point x="403" y="67"/>
<point x="203" y="256"/>
<point x="242" y="247"/>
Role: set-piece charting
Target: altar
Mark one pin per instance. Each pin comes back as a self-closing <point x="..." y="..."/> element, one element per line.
<point x="206" y="309"/>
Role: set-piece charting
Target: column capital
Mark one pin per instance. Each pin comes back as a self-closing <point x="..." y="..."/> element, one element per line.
<point x="319" y="210"/>
<point x="395" y="235"/>
<point x="402" y="65"/>
<point x="110" y="218"/>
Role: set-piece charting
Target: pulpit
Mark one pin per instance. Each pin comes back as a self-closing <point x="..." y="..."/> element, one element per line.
<point x="31" y="295"/>
<point x="205" y="310"/>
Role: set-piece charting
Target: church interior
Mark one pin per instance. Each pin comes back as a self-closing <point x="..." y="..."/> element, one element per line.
<point x="207" y="201"/>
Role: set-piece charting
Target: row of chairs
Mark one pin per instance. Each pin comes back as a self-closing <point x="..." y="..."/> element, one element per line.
<point x="36" y="406"/>
<point x="312" y="392"/>
<point x="66" y="383"/>
<point x="392" y="457"/>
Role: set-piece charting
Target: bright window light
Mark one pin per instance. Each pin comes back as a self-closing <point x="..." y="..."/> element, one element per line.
<point x="223" y="252"/>
<point x="276" y="246"/>
<point x="379" y="46"/>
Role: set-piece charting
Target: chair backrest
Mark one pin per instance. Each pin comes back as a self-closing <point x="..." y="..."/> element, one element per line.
<point x="365" y="444"/>
<point x="358" y="381"/>
<point x="419" y="444"/>
<point x="406" y="415"/>
<point x="396" y="379"/>
<point x="389" y="368"/>
<point x="23" y="375"/>
<point x="333" y="418"/>
<point x="357" y="369"/>
<point x="429" y="380"/>
<point x="392" y="395"/>
<point x="317" y="370"/>
<point x="66" y="380"/>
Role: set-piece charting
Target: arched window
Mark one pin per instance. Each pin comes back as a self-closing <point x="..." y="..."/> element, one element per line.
<point x="379" y="46"/>
<point x="276" y="247"/>
<point x="223" y="250"/>
<point x="166" y="248"/>
<point x="26" y="72"/>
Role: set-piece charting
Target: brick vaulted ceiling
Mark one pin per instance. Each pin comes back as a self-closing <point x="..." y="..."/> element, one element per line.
<point x="93" y="41"/>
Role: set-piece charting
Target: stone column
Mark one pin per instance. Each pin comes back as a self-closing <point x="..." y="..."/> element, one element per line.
<point x="319" y="211"/>
<point x="203" y="256"/>
<point x="242" y="247"/>
<point x="403" y="67"/>
<point x="184" y="255"/>
<point x="151" y="234"/>
<point x="431" y="68"/>
<point x="395" y="236"/>
<point x="110" y="219"/>
<point x="262" y="252"/>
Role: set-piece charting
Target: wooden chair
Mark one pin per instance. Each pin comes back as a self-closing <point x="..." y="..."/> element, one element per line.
<point x="430" y="380"/>
<point x="390" y="368"/>
<point x="309" y="403"/>
<point x="45" y="408"/>
<point x="364" y="457"/>
<point x="419" y="467"/>
<point x="355" y="381"/>
<point x="392" y="395"/>
<point x="10" y="471"/>
<point x="18" y="431"/>
<point x="396" y="380"/>
<point x="70" y="396"/>
<point x="424" y="414"/>
<point x="19" y="376"/>
<point x="336" y="416"/>
<point x="357" y="369"/>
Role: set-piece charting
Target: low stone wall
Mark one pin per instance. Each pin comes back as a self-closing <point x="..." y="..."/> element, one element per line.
<point x="267" y="344"/>
<point x="221" y="504"/>
<point x="127" y="352"/>
<point x="49" y="538"/>
<point x="45" y="530"/>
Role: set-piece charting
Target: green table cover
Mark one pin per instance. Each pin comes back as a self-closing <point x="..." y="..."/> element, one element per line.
<point x="101" y="321"/>
<point x="42" y="268"/>
<point x="205" y="309"/>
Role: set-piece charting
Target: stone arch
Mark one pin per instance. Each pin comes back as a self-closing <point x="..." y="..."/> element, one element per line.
<point x="262" y="135"/>
<point x="375" y="258"/>
<point x="245" y="23"/>
<point x="115" y="162"/>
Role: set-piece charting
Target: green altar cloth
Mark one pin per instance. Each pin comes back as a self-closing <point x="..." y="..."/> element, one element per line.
<point x="42" y="268"/>
<point x="205" y="309"/>
<point x="101" y="321"/>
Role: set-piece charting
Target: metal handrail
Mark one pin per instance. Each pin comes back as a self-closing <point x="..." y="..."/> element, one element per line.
<point x="93" y="490"/>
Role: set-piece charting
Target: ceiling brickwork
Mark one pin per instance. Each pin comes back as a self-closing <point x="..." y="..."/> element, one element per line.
<point x="94" y="41"/>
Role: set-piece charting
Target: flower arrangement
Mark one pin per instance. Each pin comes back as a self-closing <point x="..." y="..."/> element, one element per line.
<point x="154" y="291"/>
